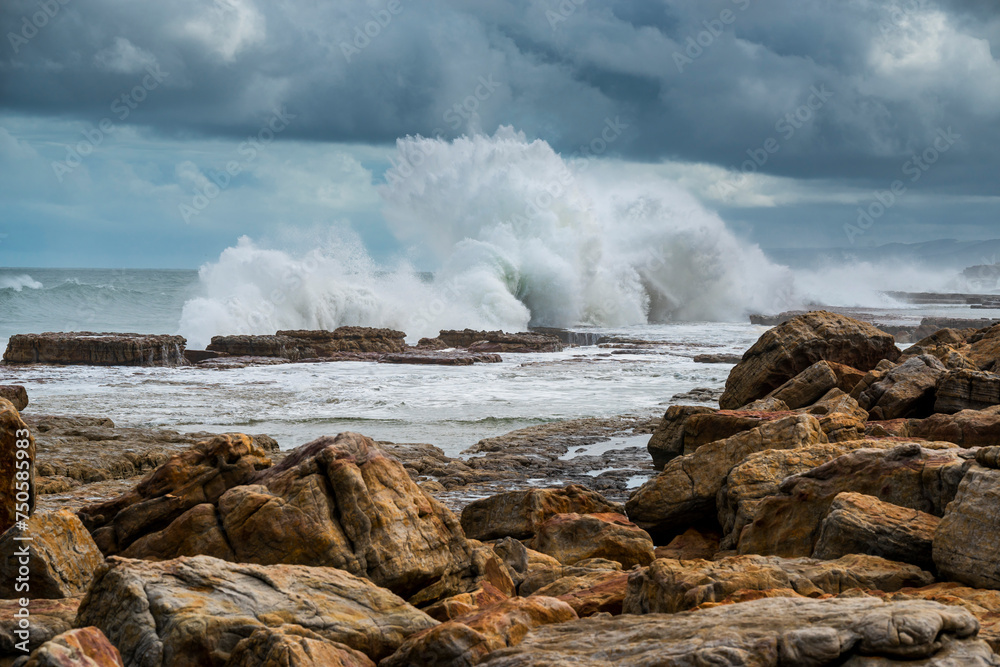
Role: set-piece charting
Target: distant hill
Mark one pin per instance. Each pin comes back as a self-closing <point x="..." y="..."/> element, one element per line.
<point x="942" y="254"/>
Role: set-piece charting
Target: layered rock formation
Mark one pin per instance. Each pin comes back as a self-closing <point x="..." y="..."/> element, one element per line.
<point x="790" y="348"/>
<point x="494" y="341"/>
<point x="96" y="349"/>
<point x="195" y="611"/>
<point x="305" y="344"/>
<point x="765" y="633"/>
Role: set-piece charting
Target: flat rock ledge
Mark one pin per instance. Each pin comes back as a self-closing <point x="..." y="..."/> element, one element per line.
<point x="96" y="349"/>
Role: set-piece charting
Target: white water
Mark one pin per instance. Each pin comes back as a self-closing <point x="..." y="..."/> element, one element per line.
<point x="516" y="236"/>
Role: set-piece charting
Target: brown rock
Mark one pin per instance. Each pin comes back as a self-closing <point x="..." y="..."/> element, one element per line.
<point x="760" y="475"/>
<point x="518" y="514"/>
<point x="808" y="386"/>
<point x="967" y="541"/>
<point x="463" y="604"/>
<point x="83" y="647"/>
<point x="539" y="577"/>
<point x="967" y="390"/>
<point x="598" y="591"/>
<point x="763" y="633"/>
<point x="194" y="477"/>
<point x="469" y="639"/>
<point x="667" y="441"/>
<point x="907" y="475"/>
<point x="689" y="545"/>
<point x="498" y="341"/>
<point x="61" y="557"/>
<point x="16" y="394"/>
<point x="904" y="391"/>
<point x="670" y="586"/>
<point x="304" y="344"/>
<point x="983" y="604"/>
<point x="48" y="619"/>
<point x="440" y="358"/>
<point x="17" y="471"/>
<point x="860" y="524"/>
<point x="984" y="348"/>
<point x="185" y="611"/>
<point x="684" y="494"/>
<point x="338" y="502"/>
<point x="968" y="428"/>
<point x="96" y="349"/>
<point x="570" y="538"/>
<point x="294" y="646"/>
<point x="790" y="348"/>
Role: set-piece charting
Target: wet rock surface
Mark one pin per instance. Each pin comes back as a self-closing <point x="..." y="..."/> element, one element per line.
<point x="96" y="349"/>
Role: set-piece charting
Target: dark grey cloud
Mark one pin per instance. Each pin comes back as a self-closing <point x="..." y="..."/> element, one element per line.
<point x="898" y="71"/>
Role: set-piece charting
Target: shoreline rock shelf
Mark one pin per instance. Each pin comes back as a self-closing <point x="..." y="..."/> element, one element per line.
<point x="841" y="510"/>
<point x="96" y="349"/>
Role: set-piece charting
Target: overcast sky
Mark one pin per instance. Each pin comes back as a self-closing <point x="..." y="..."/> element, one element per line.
<point x="116" y="114"/>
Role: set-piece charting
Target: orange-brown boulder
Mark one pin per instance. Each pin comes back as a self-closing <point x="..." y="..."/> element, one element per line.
<point x="571" y="538"/>
<point x="518" y="514"/>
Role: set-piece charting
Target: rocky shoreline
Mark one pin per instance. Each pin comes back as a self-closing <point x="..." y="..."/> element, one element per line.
<point x="838" y="507"/>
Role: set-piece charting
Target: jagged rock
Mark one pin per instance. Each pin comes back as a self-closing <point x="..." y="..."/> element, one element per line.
<point x="194" y="611"/>
<point x="984" y="348"/>
<point x="905" y="391"/>
<point x="968" y="428"/>
<point x="466" y="603"/>
<point x="760" y="475"/>
<point x="767" y="404"/>
<point x="96" y="349"/>
<point x="670" y="586"/>
<point x="684" y="494"/>
<point x="294" y="646"/>
<point x="763" y="633"/>
<point x="967" y="390"/>
<point x="860" y="524"/>
<point x="543" y="574"/>
<point x="790" y="348"/>
<point x="83" y="647"/>
<point x="61" y="556"/>
<point x="518" y="514"/>
<point x="339" y="502"/>
<point x="48" y="619"/>
<point x="590" y="593"/>
<point x="17" y="471"/>
<point x="194" y="477"/>
<point x="468" y="640"/>
<point x="16" y="394"/>
<point x="304" y="344"/>
<point x="983" y="604"/>
<point x="907" y="475"/>
<point x="525" y="564"/>
<point x="816" y="381"/>
<point x="570" y="538"/>
<point x="689" y="545"/>
<point x="967" y="541"/>
<point x="667" y="441"/>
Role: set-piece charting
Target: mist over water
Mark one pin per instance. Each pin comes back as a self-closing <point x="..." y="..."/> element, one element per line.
<point x="518" y="237"/>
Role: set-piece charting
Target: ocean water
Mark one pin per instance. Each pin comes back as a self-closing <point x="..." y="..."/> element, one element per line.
<point x="452" y="407"/>
<point x="517" y="236"/>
